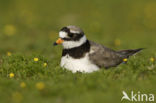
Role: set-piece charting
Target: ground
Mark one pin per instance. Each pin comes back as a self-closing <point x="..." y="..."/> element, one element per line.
<point x="29" y="63"/>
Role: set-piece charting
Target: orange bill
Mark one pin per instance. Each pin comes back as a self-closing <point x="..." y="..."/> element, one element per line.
<point x="58" y="41"/>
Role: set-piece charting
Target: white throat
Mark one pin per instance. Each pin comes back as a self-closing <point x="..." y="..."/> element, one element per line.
<point x="73" y="44"/>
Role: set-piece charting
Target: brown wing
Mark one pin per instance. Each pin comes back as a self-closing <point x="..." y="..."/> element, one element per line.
<point x="103" y="56"/>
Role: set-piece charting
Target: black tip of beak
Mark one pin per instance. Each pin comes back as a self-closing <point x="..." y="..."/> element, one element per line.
<point x="55" y="44"/>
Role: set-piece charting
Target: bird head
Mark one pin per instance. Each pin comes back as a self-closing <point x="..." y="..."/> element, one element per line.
<point x="70" y="37"/>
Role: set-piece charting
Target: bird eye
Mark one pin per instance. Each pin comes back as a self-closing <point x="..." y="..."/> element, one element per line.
<point x="71" y="35"/>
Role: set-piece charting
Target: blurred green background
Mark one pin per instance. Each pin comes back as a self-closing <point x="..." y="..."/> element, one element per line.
<point x="29" y="27"/>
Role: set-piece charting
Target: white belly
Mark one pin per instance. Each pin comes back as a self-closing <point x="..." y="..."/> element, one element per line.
<point x="78" y="65"/>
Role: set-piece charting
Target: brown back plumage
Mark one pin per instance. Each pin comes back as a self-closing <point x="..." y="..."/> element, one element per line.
<point x="105" y="57"/>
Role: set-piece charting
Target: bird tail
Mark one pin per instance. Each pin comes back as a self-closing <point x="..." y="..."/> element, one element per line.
<point x="127" y="53"/>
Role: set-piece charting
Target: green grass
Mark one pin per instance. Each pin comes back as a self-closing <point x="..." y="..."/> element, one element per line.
<point x="29" y="27"/>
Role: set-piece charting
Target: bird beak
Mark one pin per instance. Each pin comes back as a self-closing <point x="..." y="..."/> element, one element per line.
<point x="58" y="41"/>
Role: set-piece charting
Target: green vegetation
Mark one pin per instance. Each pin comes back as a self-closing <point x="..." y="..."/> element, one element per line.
<point x="29" y="64"/>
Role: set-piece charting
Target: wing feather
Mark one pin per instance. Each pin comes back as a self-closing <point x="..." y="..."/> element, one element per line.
<point x="103" y="56"/>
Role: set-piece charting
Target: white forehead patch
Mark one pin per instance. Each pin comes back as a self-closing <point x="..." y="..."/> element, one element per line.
<point x="63" y="34"/>
<point x="72" y="31"/>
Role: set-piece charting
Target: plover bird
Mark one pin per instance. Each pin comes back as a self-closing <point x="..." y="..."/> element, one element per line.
<point x="82" y="55"/>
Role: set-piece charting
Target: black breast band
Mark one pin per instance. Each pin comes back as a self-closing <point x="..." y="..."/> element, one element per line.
<point x="77" y="52"/>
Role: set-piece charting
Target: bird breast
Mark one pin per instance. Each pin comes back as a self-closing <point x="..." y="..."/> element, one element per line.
<point x="78" y="65"/>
